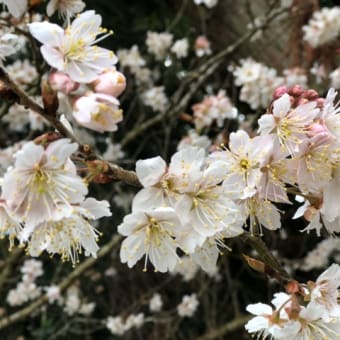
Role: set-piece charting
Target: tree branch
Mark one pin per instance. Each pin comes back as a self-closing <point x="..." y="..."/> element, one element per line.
<point x="118" y="173"/>
<point x="264" y="253"/>
<point x="228" y="327"/>
<point x="197" y="77"/>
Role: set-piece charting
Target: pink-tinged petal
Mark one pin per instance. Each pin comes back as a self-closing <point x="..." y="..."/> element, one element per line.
<point x="281" y="106"/>
<point x="47" y="33"/>
<point x="53" y="57"/>
<point x="150" y="171"/>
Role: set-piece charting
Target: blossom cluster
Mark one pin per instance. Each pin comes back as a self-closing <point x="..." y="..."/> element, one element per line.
<point x="43" y="202"/>
<point x="26" y="289"/>
<point x="196" y="201"/>
<point x="258" y="82"/>
<point x="323" y="27"/>
<point x="213" y="108"/>
<point x="317" y="317"/>
<point x="85" y="73"/>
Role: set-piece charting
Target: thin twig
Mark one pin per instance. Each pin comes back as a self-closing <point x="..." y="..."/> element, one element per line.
<point x="228" y="327"/>
<point x="26" y="101"/>
<point x="118" y="173"/>
<point x="197" y="77"/>
<point x="8" y="267"/>
<point x="264" y="253"/>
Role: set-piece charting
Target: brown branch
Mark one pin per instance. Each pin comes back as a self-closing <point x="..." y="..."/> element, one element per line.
<point x="127" y="176"/>
<point x="228" y="327"/>
<point x="6" y="270"/>
<point x="26" y="101"/>
<point x="197" y="77"/>
<point x="265" y="254"/>
<point x="63" y="285"/>
<point x="118" y="173"/>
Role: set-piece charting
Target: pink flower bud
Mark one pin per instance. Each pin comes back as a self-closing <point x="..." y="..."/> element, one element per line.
<point x="296" y="91"/>
<point x="320" y="103"/>
<point x="202" y="42"/>
<point x="202" y="46"/>
<point x="310" y="94"/>
<point x="319" y="133"/>
<point x="280" y="91"/>
<point x="62" y="82"/>
<point x="300" y="101"/>
<point x="317" y="128"/>
<point x="112" y="83"/>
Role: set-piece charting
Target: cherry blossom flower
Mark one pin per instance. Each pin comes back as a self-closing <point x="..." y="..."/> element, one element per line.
<point x="158" y="43"/>
<point x="41" y="180"/>
<point x="156" y="98"/>
<point x="272" y="322"/>
<point x="66" y="8"/>
<point x="151" y="233"/>
<point x="188" y="306"/>
<point x="73" y="50"/>
<point x="213" y="108"/>
<point x="324" y="292"/>
<point x="242" y="163"/>
<point x="314" y="325"/>
<point x="69" y="236"/>
<point x="97" y="111"/>
<point x="202" y="46"/>
<point x="8" y="226"/>
<point x="155" y="303"/>
<point x="313" y="167"/>
<point x="180" y="48"/>
<point x="289" y="125"/>
<point x="323" y="27"/>
<point x="207" y="208"/>
<point x="258" y="82"/>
